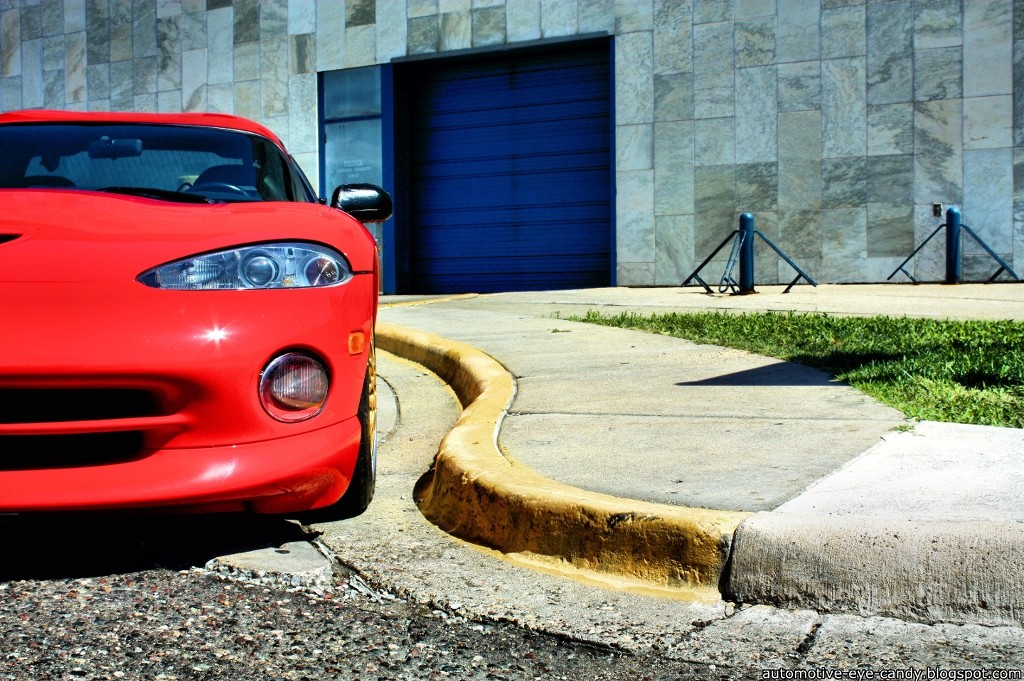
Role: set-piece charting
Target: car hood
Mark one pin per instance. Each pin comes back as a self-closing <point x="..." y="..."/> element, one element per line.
<point x="83" y="236"/>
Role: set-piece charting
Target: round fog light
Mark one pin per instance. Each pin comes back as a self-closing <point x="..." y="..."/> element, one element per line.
<point x="293" y="387"/>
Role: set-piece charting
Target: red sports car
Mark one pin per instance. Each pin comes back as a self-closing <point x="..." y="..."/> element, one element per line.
<point x="182" y="322"/>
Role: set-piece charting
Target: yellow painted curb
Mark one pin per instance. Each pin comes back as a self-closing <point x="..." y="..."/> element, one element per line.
<point x="477" y="494"/>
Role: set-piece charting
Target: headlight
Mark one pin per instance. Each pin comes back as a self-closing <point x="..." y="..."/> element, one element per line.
<point x="278" y="265"/>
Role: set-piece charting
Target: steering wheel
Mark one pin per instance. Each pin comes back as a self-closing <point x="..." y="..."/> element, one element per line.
<point x="218" y="186"/>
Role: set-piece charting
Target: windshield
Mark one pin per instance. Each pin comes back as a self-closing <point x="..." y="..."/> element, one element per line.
<point x="169" y="162"/>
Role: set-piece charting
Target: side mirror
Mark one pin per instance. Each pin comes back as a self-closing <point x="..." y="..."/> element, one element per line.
<point x="364" y="202"/>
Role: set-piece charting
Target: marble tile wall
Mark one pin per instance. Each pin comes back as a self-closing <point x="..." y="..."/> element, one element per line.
<point x="836" y="122"/>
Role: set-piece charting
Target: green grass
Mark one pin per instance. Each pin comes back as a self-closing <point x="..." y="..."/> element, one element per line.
<point x="959" y="372"/>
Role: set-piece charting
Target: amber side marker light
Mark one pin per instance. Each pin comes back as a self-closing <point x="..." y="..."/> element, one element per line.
<point x="356" y="342"/>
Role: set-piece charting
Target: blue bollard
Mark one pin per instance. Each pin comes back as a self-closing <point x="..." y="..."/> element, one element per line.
<point x="747" y="253"/>
<point x="953" y="267"/>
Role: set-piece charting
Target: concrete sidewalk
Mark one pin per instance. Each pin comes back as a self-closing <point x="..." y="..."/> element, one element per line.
<point x="693" y="465"/>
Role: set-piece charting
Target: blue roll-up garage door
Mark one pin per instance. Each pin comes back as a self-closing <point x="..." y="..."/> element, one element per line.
<point x="510" y="172"/>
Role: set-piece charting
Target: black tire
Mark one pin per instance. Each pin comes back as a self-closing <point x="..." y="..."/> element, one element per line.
<point x="364" y="478"/>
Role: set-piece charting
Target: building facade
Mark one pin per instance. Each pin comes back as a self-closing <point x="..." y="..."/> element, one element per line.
<point x="623" y="137"/>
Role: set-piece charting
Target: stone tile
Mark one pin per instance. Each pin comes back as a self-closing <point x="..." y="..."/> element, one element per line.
<point x="988" y="200"/>
<point x="891" y="129"/>
<point x="632" y="16"/>
<point x="220" y="98"/>
<point x="32" y="84"/>
<point x="488" y="26"/>
<point x="330" y="35"/>
<point x="634" y="273"/>
<point x="52" y="15"/>
<point x="890" y="230"/>
<point x="757" y="187"/>
<point x="360" y="46"/>
<point x="755" y="42"/>
<point x="169" y="56"/>
<point x="220" y="45"/>
<point x="634" y="147"/>
<point x="419" y="8"/>
<point x="929" y="263"/>
<point x="880" y="269"/>
<point x="714" y="141"/>
<point x="938" y="139"/>
<point x="844" y="115"/>
<point x="937" y="74"/>
<point x="634" y="208"/>
<point x="74" y="16"/>
<point x="756" y="123"/>
<point x="121" y="33"/>
<point x="1019" y="211"/>
<point x="192" y="31"/>
<point x="938" y="23"/>
<point x="988" y="48"/>
<point x="194" y="66"/>
<point x="1018" y="74"/>
<point x="522" y="20"/>
<point x="360" y="12"/>
<point x="273" y="77"/>
<point x="800" y="86"/>
<point x="560" y="19"/>
<point x="714" y="207"/>
<point x="31" y="22"/>
<point x="456" y="31"/>
<point x="169" y="101"/>
<point x="799" y="31"/>
<point x="843" y="32"/>
<point x="164" y="8"/>
<point x="634" y="80"/>
<point x="144" y="102"/>
<point x="444" y="6"/>
<point x="303" y="53"/>
<point x="391" y="43"/>
<point x="423" y="35"/>
<point x="890" y="52"/>
<point x="673" y="243"/>
<point x="302" y="117"/>
<point x="673" y="97"/>
<point x="247" y="99"/>
<point x="10" y="93"/>
<point x="10" y="43"/>
<point x="53" y="89"/>
<point x="800" y="234"/>
<point x="844" y="245"/>
<point x="53" y="53"/>
<point x="273" y="18"/>
<point x="100" y="105"/>
<point x="144" y="75"/>
<point x="97" y="26"/>
<point x="890" y="179"/>
<point x="121" y="96"/>
<point x="144" y="29"/>
<point x="97" y="81"/>
<point x="709" y="11"/>
<point x="713" y="80"/>
<point x="844" y="182"/>
<point x="597" y="16"/>
<point x="247" y="19"/>
<point x="74" y="75"/>
<point x="246" y="61"/>
<point x="673" y="37"/>
<point x="301" y="17"/>
<point x="800" y="181"/>
<point x="754" y="8"/>
<point x="673" y="168"/>
<point x="988" y="122"/>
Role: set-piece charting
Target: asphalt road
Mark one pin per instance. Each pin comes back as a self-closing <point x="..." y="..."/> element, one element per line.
<point x="113" y="597"/>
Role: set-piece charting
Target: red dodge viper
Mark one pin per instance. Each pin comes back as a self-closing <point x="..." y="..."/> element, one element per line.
<point x="182" y="322"/>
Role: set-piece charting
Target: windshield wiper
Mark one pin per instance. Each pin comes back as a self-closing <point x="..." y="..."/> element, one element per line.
<point x="154" y="193"/>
